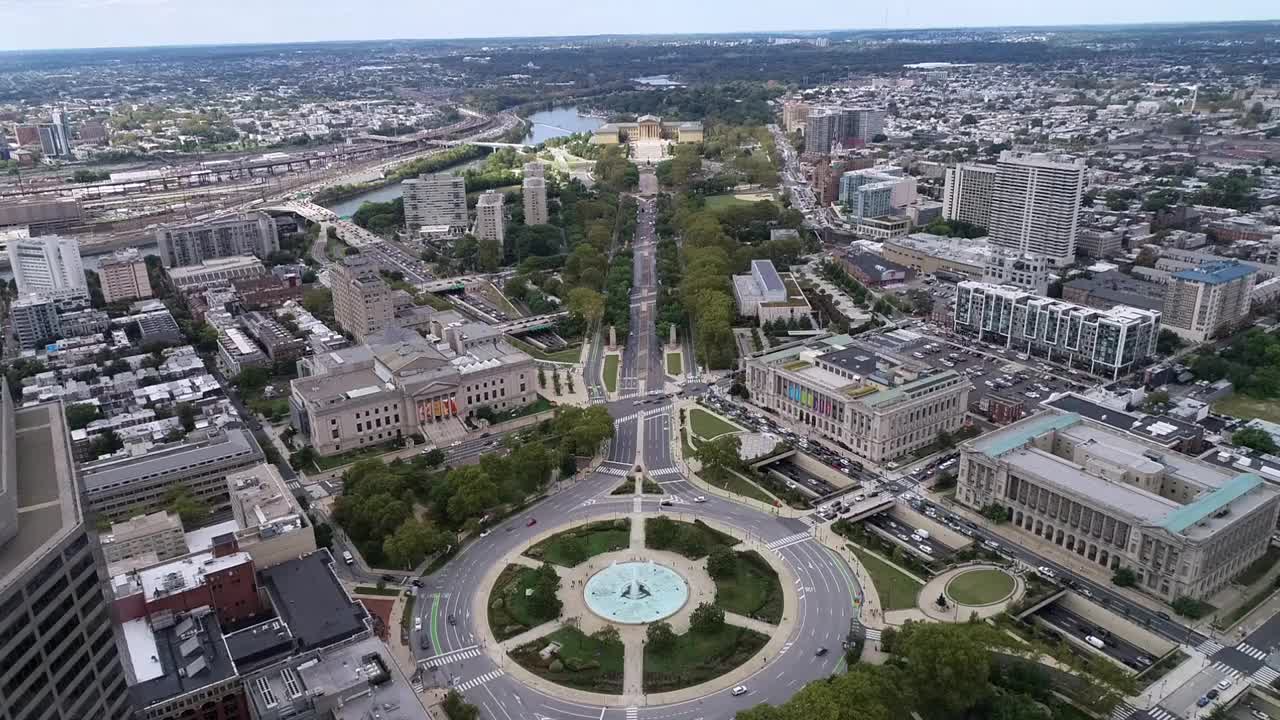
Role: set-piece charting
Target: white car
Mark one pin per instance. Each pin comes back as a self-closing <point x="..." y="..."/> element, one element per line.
<point x="484" y="532"/>
<point x="925" y="549"/>
<point x="700" y="499"/>
<point x="738" y="690"/>
<point x="417" y="624"/>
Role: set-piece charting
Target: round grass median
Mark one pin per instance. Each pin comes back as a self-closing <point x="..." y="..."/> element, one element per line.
<point x="980" y="586"/>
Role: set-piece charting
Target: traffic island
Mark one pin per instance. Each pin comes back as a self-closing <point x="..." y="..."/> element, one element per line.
<point x="980" y="590"/>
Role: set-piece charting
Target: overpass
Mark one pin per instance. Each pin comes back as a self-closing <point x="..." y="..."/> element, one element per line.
<point x="494" y="145"/>
<point x="537" y="322"/>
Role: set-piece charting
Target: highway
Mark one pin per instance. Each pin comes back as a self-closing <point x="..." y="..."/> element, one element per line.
<point x="825" y="585"/>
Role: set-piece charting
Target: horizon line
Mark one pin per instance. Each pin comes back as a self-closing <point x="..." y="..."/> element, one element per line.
<point x="742" y="33"/>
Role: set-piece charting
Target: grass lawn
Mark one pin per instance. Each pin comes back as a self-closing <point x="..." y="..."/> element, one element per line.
<point x="738" y="485"/>
<point x="649" y="487"/>
<point x="708" y="426"/>
<point x="897" y="590"/>
<point x="697" y="657"/>
<point x="753" y="590"/>
<point x="628" y="487"/>
<point x="328" y="462"/>
<point x="611" y="372"/>
<point x="587" y="663"/>
<point x="500" y="301"/>
<point x="574" y="546"/>
<point x="684" y="444"/>
<point x="719" y="202"/>
<point x="509" y="611"/>
<point x="980" y="587"/>
<point x="540" y="405"/>
<point x="567" y="355"/>
<point x="1244" y="406"/>
<point x="693" y="540"/>
<point x="675" y="364"/>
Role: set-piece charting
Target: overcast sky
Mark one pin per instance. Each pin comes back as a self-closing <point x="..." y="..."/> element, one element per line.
<point x="30" y="24"/>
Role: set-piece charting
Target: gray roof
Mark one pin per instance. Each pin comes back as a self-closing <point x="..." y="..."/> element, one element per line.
<point x="202" y="666"/>
<point x="47" y="504"/>
<point x="769" y="276"/>
<point x="1067" y="478"/>
<point x="307" y="595"/>
<point x="232" y="445"/>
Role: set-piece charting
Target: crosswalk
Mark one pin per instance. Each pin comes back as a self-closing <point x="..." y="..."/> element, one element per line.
<point x="1122" y="710"/>
<point x="1226" y="669"/>
<point x="612" y="467"/>
<point x="789" y="540"/>
<point x="1209" y="647"/>
<point x="633" y="713"/>
<point x="1265" y="675"/>
<point x="873" y="634"/>
<point x="1160" y="713"/>
<point x="478" y="681"/>
<point x="663" y="472"/>
<point x="1252" y="651"/>
<point x="453" y="655"/>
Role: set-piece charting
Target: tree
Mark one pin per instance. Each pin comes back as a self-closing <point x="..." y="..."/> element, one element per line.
<point x="1169" y="342"/>
<point x="542" y="377"/>
<point x="81" y="414"/>
<point x="947" y="668"/>
<point x="187" y="416"/>
<point x="1147" y="257"/>
<point x="706" y="619"/>
<point x="586" y="304"/>
<point x="191" y="510"/>
<point x="1124" y="577"/>
<point x="720" y="455"/>
<point x="302" y="457"/>
<point x="1189" y="607"/>
<point x="1255" y="438"/>
<point x="1155" y="400"/>
<point x="607" y="635"/>
<point x="457" y="708"/>
<point x="434" y="458"/>
<point x="489" y="255"/>
<point x="660" y="637"/>
<point x="543" y="601"/>
<point x="412" y="542"/>
<point x="722" y="563"/>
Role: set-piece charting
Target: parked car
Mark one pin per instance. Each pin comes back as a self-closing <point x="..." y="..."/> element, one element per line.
<point x="532" y="522"/>
<point x="738" y="690"/>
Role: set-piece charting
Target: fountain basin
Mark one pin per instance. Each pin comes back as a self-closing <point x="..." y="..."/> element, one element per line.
<point x="635" y="593"/>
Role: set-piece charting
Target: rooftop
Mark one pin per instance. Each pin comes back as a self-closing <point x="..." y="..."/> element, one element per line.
<point x="38" y="471"/>
<point x="1216" y="273"/>
<point x="177" y="658"/>
<point x="308" y="597"/>
<point x="197" y="450"/>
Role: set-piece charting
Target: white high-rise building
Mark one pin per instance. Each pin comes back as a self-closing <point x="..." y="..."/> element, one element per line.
<point x="535" y="201"/>
<point x="822" y="129"/>
<point x="967" y="194"/>
<point x="47" y="264"/>
<point x="434" y="201"/>
<point x="1036" y="204"/>
<point x="489" y="217"/>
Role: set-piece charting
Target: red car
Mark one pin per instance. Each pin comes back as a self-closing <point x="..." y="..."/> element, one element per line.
<point x="532" y="522"/>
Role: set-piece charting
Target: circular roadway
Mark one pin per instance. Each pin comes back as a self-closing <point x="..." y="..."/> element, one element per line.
<point x="825" y="589"/>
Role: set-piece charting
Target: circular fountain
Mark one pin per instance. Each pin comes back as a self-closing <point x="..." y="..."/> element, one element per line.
<point x="634" y="593"/>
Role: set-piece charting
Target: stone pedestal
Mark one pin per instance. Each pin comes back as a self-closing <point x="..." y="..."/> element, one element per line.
<point x="671" y="335"/>
<point x="613" y="336"/>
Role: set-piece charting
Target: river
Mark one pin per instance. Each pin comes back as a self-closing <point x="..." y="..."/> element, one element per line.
<point x="558" y="122"/>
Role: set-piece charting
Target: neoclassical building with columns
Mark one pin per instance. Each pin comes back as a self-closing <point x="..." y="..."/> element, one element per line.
<point x="1183" y="526"/>
<point x="647" y="127"/>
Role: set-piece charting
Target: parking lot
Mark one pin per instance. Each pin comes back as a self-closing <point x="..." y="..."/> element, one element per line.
<point x="1010" y="374"/>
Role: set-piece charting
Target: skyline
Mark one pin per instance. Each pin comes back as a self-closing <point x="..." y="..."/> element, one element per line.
<point x="93" y="24"/>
